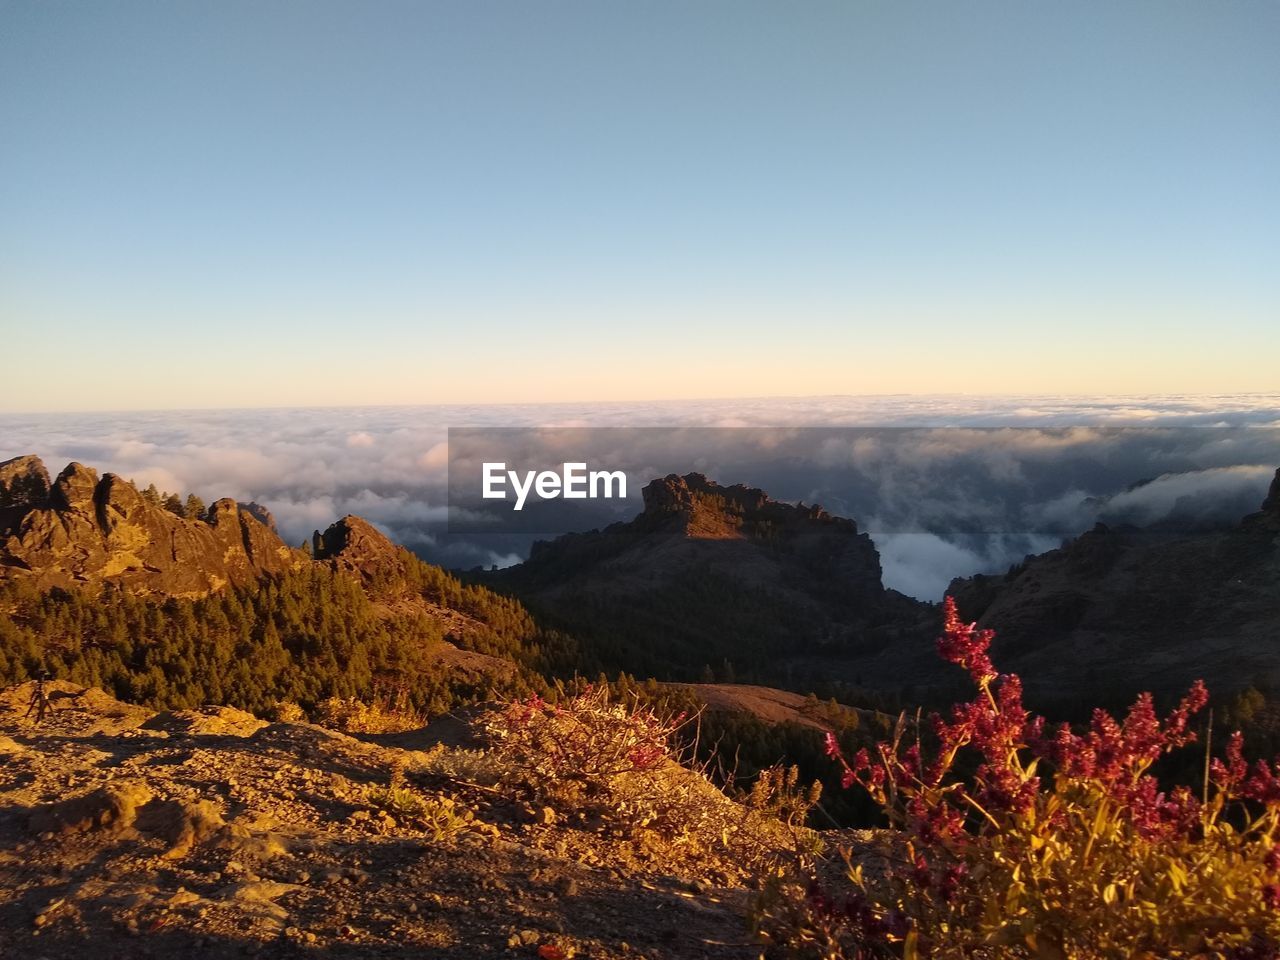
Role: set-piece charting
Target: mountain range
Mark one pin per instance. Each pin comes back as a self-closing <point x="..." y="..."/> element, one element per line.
<point x="707" y="584"/>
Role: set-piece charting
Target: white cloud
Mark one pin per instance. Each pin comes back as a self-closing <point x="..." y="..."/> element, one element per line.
<point x="391" y="464"/>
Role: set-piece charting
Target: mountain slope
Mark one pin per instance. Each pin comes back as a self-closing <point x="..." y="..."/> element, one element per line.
<point x="106" y="585"/>
<point x="1126" y="609"/>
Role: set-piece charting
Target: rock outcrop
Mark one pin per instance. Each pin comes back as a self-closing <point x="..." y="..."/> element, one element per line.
<point x="702" y="508"/>
<point x="261" y="514"/>
<point x="356" y="547"/>
<point x="24" y="483"/>
<point x="354" y="541"/>
<point x="91" y="530"/>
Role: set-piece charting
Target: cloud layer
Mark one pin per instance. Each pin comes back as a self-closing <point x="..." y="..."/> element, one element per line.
<point x="951" y="500"/>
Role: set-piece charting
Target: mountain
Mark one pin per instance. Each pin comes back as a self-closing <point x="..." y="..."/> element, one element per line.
<point x="104" y="583"/>
<point x="719" y="578"/>
<point x="217" y="608"/>
<point x="1121" y="609"/>
<point x="88" y="530"/>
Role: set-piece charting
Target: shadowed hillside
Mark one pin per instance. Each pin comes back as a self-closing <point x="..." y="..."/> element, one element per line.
<point x="1118" y="610"/>
<point x="721" y="580"/>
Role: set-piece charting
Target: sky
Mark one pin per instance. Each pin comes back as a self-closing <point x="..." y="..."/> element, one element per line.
<point x="294" y="204"/>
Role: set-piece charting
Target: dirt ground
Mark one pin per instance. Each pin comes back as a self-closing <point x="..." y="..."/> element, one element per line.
<point x="211" y="834"/>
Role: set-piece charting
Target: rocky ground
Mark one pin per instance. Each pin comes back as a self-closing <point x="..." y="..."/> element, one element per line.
<point x="213" y="834"/>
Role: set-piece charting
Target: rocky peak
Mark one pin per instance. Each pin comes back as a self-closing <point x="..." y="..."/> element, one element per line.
<point x="355" y="546"/>
<point x="223" y="511"/>
<point x="703" y="508"/>
<point x="74" y="488"/>
<point x="353" y="539"/>
<point x="24" y="485"/>
<point x="261" y="514"/>
<point x="709" y="572"/>
<point x="119" y="500"/>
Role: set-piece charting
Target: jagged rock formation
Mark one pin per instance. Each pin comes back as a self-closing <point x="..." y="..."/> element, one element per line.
<point x="87" y="530"/>
<point x="700" y="508"/>
<point x="1124" y="609"/>
<point x="692" y="508"/>
<point x="718" y="576"/>
<point x="83" y="529"/>
<point x="354" y="545"/>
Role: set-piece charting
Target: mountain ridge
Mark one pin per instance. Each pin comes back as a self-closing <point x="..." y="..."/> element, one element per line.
<point x="86" y="529"/>
<point x="1152" y="607"/>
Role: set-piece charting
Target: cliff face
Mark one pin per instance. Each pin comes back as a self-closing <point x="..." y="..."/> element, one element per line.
<point x="707" y="574"/>
<point x="1130" y="609"/>
<point x="88" y="530"/>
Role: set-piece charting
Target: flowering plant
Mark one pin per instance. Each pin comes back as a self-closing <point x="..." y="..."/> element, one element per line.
<point x="1022" y="840"/>
<point x="586" y="739"/>
<point x="606" y="764"/>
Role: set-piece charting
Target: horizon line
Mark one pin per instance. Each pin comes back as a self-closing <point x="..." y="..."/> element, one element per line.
<point x="251" y="408"/>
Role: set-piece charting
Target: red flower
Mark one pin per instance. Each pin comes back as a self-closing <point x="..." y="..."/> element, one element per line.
<point x="965" y="645"/>
<point x="1230" y="774"/>
<point x="831" y="745"/>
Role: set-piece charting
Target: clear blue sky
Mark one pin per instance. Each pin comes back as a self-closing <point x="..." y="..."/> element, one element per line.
<point x="209" y="204"/>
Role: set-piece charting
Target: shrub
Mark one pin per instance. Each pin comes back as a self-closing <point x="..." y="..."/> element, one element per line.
<point x="440" y="817"/>
<point x="475" y="767"/>
<point x="351" y="715"/>
<point x="577" y="750"/>
<point x="612" y="766"/>
<point x="1017" y="840"/>
<point x="286" y="711"/>
<point x="779" y="793"/>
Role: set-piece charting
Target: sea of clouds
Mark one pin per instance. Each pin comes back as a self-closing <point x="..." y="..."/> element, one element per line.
<point x="958" y="485"/>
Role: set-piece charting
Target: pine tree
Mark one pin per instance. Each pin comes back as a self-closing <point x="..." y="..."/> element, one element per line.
<point x="194" y="509"/>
